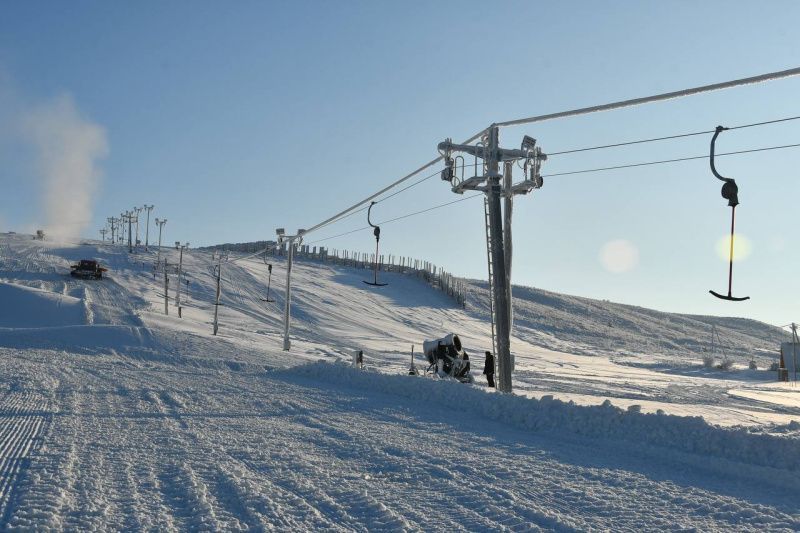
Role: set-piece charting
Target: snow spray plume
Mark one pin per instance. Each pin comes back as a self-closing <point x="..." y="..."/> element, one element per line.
<point x="68" y="148"/>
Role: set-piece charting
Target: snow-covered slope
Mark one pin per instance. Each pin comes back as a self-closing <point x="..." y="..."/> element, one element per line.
<point x="592" y="326"/>
<point x="115" y="416"/>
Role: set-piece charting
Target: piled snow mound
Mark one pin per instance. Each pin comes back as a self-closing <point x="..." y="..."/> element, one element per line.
<point x="92" y="339"/>
<point x="686" y="434"/>
<point x="26" y="307"/>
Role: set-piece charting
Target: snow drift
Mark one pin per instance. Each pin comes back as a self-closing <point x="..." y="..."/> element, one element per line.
<point x="26" y="307"/>
<point x="686" y="434"/>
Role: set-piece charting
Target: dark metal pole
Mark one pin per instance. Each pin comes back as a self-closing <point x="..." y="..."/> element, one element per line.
<point x="499" y="280"/>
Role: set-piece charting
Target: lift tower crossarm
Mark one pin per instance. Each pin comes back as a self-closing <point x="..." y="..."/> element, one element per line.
<point x="498" y="221"/>
<point x="500" y="155"/>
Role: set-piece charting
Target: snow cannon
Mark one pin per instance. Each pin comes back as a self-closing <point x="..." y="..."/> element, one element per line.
<point x="447" y="357"/>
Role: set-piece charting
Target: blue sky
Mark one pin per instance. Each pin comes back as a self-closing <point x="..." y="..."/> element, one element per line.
<point x="236" y="118"/>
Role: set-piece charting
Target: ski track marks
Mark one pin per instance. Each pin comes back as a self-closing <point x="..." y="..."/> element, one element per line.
<point x="23" y="416"/>
<point x="153" y="448"/>
<point x="191" y="433"/>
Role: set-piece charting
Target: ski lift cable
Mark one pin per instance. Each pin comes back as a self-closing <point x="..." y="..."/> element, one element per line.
<point x="426" y="178"/>
<point x="663" y="161"/>
<point x="365" y="208"/>
<point x="563" y="114"/>
<point x="399" y="218"/>
<point x="389" y="187"/>
<point x="236" y="260"/>
<point x="617" y="167"/>
<point x="668" y="137"/>
<point x="430" y="208"/>
<point x="771" y="76"/>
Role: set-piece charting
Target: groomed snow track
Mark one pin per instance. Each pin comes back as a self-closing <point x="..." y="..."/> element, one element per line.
<point x="138" y="421"/>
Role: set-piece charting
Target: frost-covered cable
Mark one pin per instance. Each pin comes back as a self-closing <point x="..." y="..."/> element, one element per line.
<point x="398" y="218"/>
<point x="668" y="137"/>
<point x="663" y="161"/>
<point x="656" y="98"/>
<point x="405" y="178"/>
<point x="580" y="111"/>
<point x="263" y="250"/>
<point x="426" y="178"/>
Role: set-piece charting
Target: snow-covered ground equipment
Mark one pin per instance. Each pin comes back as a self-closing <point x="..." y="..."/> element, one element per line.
<point x="87" y="269"/>
<point x="447" y="357"/>
<point x="730" y="191"/>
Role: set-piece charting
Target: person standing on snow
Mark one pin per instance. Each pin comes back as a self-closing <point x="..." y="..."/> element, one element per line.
<point x="488" y="369"/>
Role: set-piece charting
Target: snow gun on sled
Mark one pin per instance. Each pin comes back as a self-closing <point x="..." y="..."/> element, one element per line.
<point x="447" y="358"/>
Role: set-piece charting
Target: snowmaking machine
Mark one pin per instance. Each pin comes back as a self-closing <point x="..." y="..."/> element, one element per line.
<point x="87" y="269"/>
<point x="447" y="357"/>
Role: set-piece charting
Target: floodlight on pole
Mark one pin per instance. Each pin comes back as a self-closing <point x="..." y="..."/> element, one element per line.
<point x="160" y="223"/>
<point x="121" y="231"/>
<point x="147" y="208"/>
<point x="181" y="247"/>
<point x="128" y="216"/>
<point x="291" y="240"/>
<point x="113" y="222"/>
<point x="137" y="210"/>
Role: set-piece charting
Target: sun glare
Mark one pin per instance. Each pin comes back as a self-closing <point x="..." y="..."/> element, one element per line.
<point x="742" y="247"/>
<point x="619" y="256"/>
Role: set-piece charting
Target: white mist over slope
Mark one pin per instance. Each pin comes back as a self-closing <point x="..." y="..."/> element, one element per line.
<point x="68" y="149"/>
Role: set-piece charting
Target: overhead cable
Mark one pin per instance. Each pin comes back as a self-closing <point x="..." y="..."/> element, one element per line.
<point x="676" y="160"/>
<point x="409" y="186"/>
<point x="581" y="111"/>
<point x="655" y="98"/>
<point x="678" y="136"/>
<point x="399" y="218"/>
<point x="569" y="173"/>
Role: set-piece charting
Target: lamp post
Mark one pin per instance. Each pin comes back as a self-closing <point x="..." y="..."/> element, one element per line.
<point x="181" y="247"/>
<point x="147" y="208"/>
<point x="160" y="227"/>
<point x="137" y="210"/>
<point x="290" y="240"/>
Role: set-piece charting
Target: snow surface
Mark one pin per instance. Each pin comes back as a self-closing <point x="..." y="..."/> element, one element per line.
<point x="114" y="416"/>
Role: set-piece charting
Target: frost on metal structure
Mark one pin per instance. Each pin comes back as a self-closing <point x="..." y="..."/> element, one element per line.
<point x="147" y="208"/>
<point x="498" y="223"/>
<point x="292" y="241"/>
<point x="160" y="223"/>
<point x="524" y="187"/>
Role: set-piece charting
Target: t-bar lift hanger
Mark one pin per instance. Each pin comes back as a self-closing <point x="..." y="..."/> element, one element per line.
<point x="730" y="191"/>
<point x="377" y="233"/>
<point x="269" y="278"/>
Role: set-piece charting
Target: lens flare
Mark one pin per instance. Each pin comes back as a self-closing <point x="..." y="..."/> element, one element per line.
<point x="619" y="256"/>
<point x="742" y="247"/>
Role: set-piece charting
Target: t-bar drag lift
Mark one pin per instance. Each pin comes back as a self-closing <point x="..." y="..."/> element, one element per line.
<point x="377" y="233"/>
<point x="269" y="279"/>
<point x="730" y="191"/>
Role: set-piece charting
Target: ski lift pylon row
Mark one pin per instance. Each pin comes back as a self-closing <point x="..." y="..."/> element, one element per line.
<point x="730" y="191"/>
